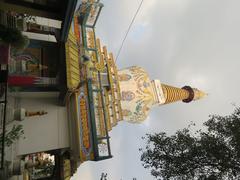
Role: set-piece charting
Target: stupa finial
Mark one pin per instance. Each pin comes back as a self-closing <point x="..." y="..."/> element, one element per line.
<point x="198" y="94"/>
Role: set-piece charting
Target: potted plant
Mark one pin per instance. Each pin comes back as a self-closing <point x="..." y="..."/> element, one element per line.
<point x="19" y="114"/>
<point x="12" y="135"/>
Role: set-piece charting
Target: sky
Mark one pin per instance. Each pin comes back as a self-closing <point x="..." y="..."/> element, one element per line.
<point x="181" y="43"/>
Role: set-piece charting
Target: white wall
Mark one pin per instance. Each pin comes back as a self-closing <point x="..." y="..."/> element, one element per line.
<point x="45" y="132"/>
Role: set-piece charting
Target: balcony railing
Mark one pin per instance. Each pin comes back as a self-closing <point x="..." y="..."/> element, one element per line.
<point x="101" y="140"/>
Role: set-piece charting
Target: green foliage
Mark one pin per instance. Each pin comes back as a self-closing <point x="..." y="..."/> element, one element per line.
<point x="13" y="37"/>
<point x="11" y="136"/>
<point x="103" y="176"/>
<point x="44" y="171"/>
<point x="205" y="155"/>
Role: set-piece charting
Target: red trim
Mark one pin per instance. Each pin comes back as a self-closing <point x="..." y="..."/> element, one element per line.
<point x="21" y="80"/>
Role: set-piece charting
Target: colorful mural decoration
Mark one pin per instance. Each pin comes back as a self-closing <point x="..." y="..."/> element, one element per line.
<point x="124" y="77"/>
<point x="127" y="96"/>
<point x="126" y="112"/>
<point x="27" y="63"/>
<point x="137" y="94"/>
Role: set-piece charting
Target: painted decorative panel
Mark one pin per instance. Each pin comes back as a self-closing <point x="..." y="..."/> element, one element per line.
<point x="137" y="94"/>
<point x="28" y="62"/>
<point x="86" y="150"/>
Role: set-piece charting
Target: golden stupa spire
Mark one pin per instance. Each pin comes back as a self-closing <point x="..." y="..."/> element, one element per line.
<point x="185" y="94"/>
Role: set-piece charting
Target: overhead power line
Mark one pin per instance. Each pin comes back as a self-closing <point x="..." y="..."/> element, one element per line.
<point x="128" y="30"/>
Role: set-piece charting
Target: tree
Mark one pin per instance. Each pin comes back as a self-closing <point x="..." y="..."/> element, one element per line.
<point x="103" y="176"/>
<point x="13" y="37"/>
<point x="211" y="154"/>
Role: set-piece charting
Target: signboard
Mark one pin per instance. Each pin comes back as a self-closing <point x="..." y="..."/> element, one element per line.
<point x="159" y="91"/>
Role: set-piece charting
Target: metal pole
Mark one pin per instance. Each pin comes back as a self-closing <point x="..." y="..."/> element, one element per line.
<point x="92" y="117"/>
<point x="4" y="124"/>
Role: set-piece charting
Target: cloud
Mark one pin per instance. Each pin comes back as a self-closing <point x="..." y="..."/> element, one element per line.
<point x="85" y="170"/>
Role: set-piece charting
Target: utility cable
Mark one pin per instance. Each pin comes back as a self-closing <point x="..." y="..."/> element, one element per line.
<point x="128" y="30"/>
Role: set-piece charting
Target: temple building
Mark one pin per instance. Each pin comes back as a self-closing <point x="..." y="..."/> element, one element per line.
<point x="70" y="94"/>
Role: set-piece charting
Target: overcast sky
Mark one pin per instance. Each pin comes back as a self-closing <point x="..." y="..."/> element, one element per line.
<point x="180" y="42"/>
